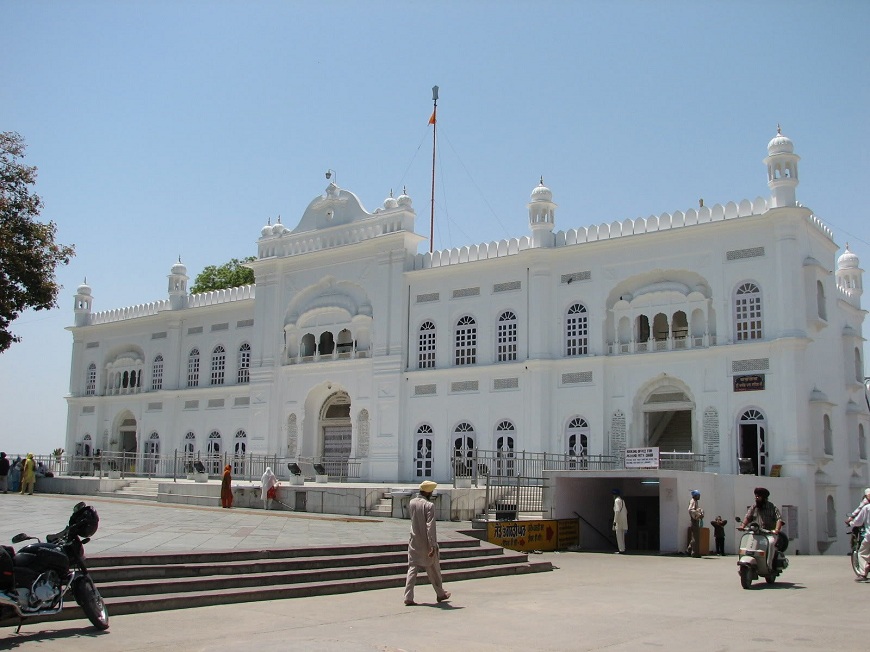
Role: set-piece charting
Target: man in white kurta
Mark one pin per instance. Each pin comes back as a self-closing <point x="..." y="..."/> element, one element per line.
<point x="863" y="518"/>
<point x="620" y="520"/>
<point x="423" y="545"/>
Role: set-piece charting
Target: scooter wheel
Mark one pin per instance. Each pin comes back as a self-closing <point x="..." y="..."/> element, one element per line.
<point x="745" y="577"/>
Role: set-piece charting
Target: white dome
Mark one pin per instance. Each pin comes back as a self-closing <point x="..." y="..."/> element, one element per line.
<point x="848" y="260"/>
<point x="278" y="229"/>
<point x="390" y="202"/>
<point x="179" y="268"/>
<point x="84" y="288"/>
<point x="780" y="144"/>
<point x="403" y="199"/>
<point x="266" y="231"/>
<point x="542" y="193"/>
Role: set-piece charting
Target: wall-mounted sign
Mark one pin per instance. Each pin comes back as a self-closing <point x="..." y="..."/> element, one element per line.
<point x="642" y="458"/>
<point x="750" y="383"/>
<point x="526" y="536"/>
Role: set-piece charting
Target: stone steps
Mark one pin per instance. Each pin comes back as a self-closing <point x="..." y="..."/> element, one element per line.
<point x="142" y="583"/>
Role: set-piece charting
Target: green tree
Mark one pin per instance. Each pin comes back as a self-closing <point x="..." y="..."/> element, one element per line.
<point x="228" y="275"/>
<point x="29" y="255"/>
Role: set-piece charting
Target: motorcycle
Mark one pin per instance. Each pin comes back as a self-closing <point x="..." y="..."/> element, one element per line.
<point x="35" y="580"/>
<point x="759" y="556"/>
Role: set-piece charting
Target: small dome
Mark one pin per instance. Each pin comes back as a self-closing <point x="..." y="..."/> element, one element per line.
<point x="179" y="268"/>
<point x="541" y="192"/>
<point x="84" y="288"/>
<point x="403" y="199"/>
<point x="278" y="229"/>
<point x="266" y="231"/>
<point x="780" y="144"/>
<point x="848" y="260"/>
<point x="390" y="202"/>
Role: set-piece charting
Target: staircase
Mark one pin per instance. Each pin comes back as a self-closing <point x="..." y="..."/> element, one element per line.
<point x="384" y="506"/>
<point x="140" y="583"/>
<point x="136" y="488"/>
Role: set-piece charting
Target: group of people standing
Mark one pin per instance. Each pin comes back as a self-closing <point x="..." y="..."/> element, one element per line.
<point x="18" y="475"/>
<point x="763" y="511"/>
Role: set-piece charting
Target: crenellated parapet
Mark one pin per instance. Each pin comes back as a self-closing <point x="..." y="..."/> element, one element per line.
<point x="608" y="231"/>
<point x="216" y="297"/>
<point x="131" y="312"/>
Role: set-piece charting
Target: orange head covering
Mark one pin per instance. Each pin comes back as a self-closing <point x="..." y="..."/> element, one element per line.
<point x="227" y="468"/>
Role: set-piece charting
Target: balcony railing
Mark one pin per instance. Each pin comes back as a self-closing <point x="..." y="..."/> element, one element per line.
<point x="679" y="343"/>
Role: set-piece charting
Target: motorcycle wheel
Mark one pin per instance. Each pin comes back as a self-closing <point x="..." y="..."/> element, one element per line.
<point x="91" y="602"/>
<point x="770" y="579"/>
<point x="745" y="577"/>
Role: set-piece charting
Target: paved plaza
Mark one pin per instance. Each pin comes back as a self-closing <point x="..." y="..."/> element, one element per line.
<point x="592" y="601"/>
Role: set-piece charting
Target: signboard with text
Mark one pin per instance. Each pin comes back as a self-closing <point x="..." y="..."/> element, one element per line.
<point x="642" y="458"/>
<point x="525" y="536"/>
<point x="750" y="383"/>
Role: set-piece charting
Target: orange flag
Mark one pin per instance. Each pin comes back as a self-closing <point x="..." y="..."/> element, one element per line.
<point x="432" y="118"/>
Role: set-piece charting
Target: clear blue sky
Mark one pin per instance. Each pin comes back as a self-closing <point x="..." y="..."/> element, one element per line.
<point x="178" y="128"/>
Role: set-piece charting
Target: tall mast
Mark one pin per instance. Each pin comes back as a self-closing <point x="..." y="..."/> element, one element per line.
<point x="433" y="122"/>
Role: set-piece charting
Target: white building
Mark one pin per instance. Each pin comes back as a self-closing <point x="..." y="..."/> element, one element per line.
<point x="722" y="331"/>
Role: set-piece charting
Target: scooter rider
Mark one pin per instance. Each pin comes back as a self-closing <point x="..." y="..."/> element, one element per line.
<point x="864" y="501"/>
<point x="766" y="514"/>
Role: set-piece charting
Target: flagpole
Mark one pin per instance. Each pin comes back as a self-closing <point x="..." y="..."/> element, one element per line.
<point x="434" y="123"/>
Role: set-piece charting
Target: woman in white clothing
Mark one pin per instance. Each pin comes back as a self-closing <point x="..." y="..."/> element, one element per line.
<point x="270" y="488"/>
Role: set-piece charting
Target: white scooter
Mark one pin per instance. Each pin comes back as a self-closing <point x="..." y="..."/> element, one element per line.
<point x="758" y="555"/>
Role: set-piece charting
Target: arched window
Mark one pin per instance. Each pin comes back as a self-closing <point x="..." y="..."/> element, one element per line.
<point x="240" y="447"/>
<point x="577" y="440"/>
<point x="327" y="343"/>
<point x="859" y="366"/>
<point x="193" y="368"/>
<point x="820" y="301"/>
<point x="214" y="452"/>
<point x="504" y="448"/>
<point x="244" y="364"/>
<point x="189" y="444"/>
<point x="465" y="350"/>
<point x="157" y="373"/>
<point x="426" y="346"/>
<point x="91" y="380"/>
<point x="862" y="442"/>
<point x="152" y="453"/>
<point x="463" y="450"/>
<point x="86" y="449"/>
<point x="218" y="365"/>
<point x="831" y="517"/>
<point x="747" y="312"/>
<point x="506" y="346"/>
<point x="307" y="349"/>
<point x="752" y="442"/>
<point x="423" y="453"/>
<point x="576" y="330"/>
<point x="827" y="435"/>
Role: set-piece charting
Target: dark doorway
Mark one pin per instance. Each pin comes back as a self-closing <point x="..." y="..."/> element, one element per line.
<point x="643" y="523"/>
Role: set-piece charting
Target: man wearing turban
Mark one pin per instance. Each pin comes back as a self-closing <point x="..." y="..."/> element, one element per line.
<point x="423" y="545"/>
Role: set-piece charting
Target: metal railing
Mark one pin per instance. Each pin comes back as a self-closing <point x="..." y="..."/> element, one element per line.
<point x="180" y="465"/>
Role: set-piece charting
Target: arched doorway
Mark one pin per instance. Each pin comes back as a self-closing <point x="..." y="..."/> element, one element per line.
<point x="152" y="453"/>
<point x="752" y="442"/>
<point x="336" y="433"/>
<point x="668" y="417"/>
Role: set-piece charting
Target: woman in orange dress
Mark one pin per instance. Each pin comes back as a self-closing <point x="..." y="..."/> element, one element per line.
<point x="227" y="487"/>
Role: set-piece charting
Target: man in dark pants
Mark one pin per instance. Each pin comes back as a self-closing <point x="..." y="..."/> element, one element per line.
<point x="695" y="515"/>
<point x="719" y="534"/>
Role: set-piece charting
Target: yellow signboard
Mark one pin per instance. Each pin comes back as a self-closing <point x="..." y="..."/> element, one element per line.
<point x="526" y="536"/>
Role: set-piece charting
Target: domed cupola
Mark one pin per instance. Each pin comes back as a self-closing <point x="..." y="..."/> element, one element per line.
<point x="782" y="170"/>
<point x="266" y="231"/>
<point x="278" y="228"/>
<point x="850" y="275"/>
<point x="404" y="201"/>
<point x="178" y="279"/>
<point x="542" y="215"/>
<point x="390" y="202"/>
<point x="83" y="304"/>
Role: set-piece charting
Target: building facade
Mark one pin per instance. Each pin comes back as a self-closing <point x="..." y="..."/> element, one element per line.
<point x="732" y="332"/>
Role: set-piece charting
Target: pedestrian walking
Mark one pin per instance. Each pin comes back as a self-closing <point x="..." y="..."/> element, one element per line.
<point x="696" y="516"/>
<point x="4" y="472"/>
<point x="719" y="534"/>
<point x="28" y="475"/>
<point x="269" y="490"/>
<point x="227" y="487"/>
<point x="620" y="520"/>
<point x="423" y="545"/>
